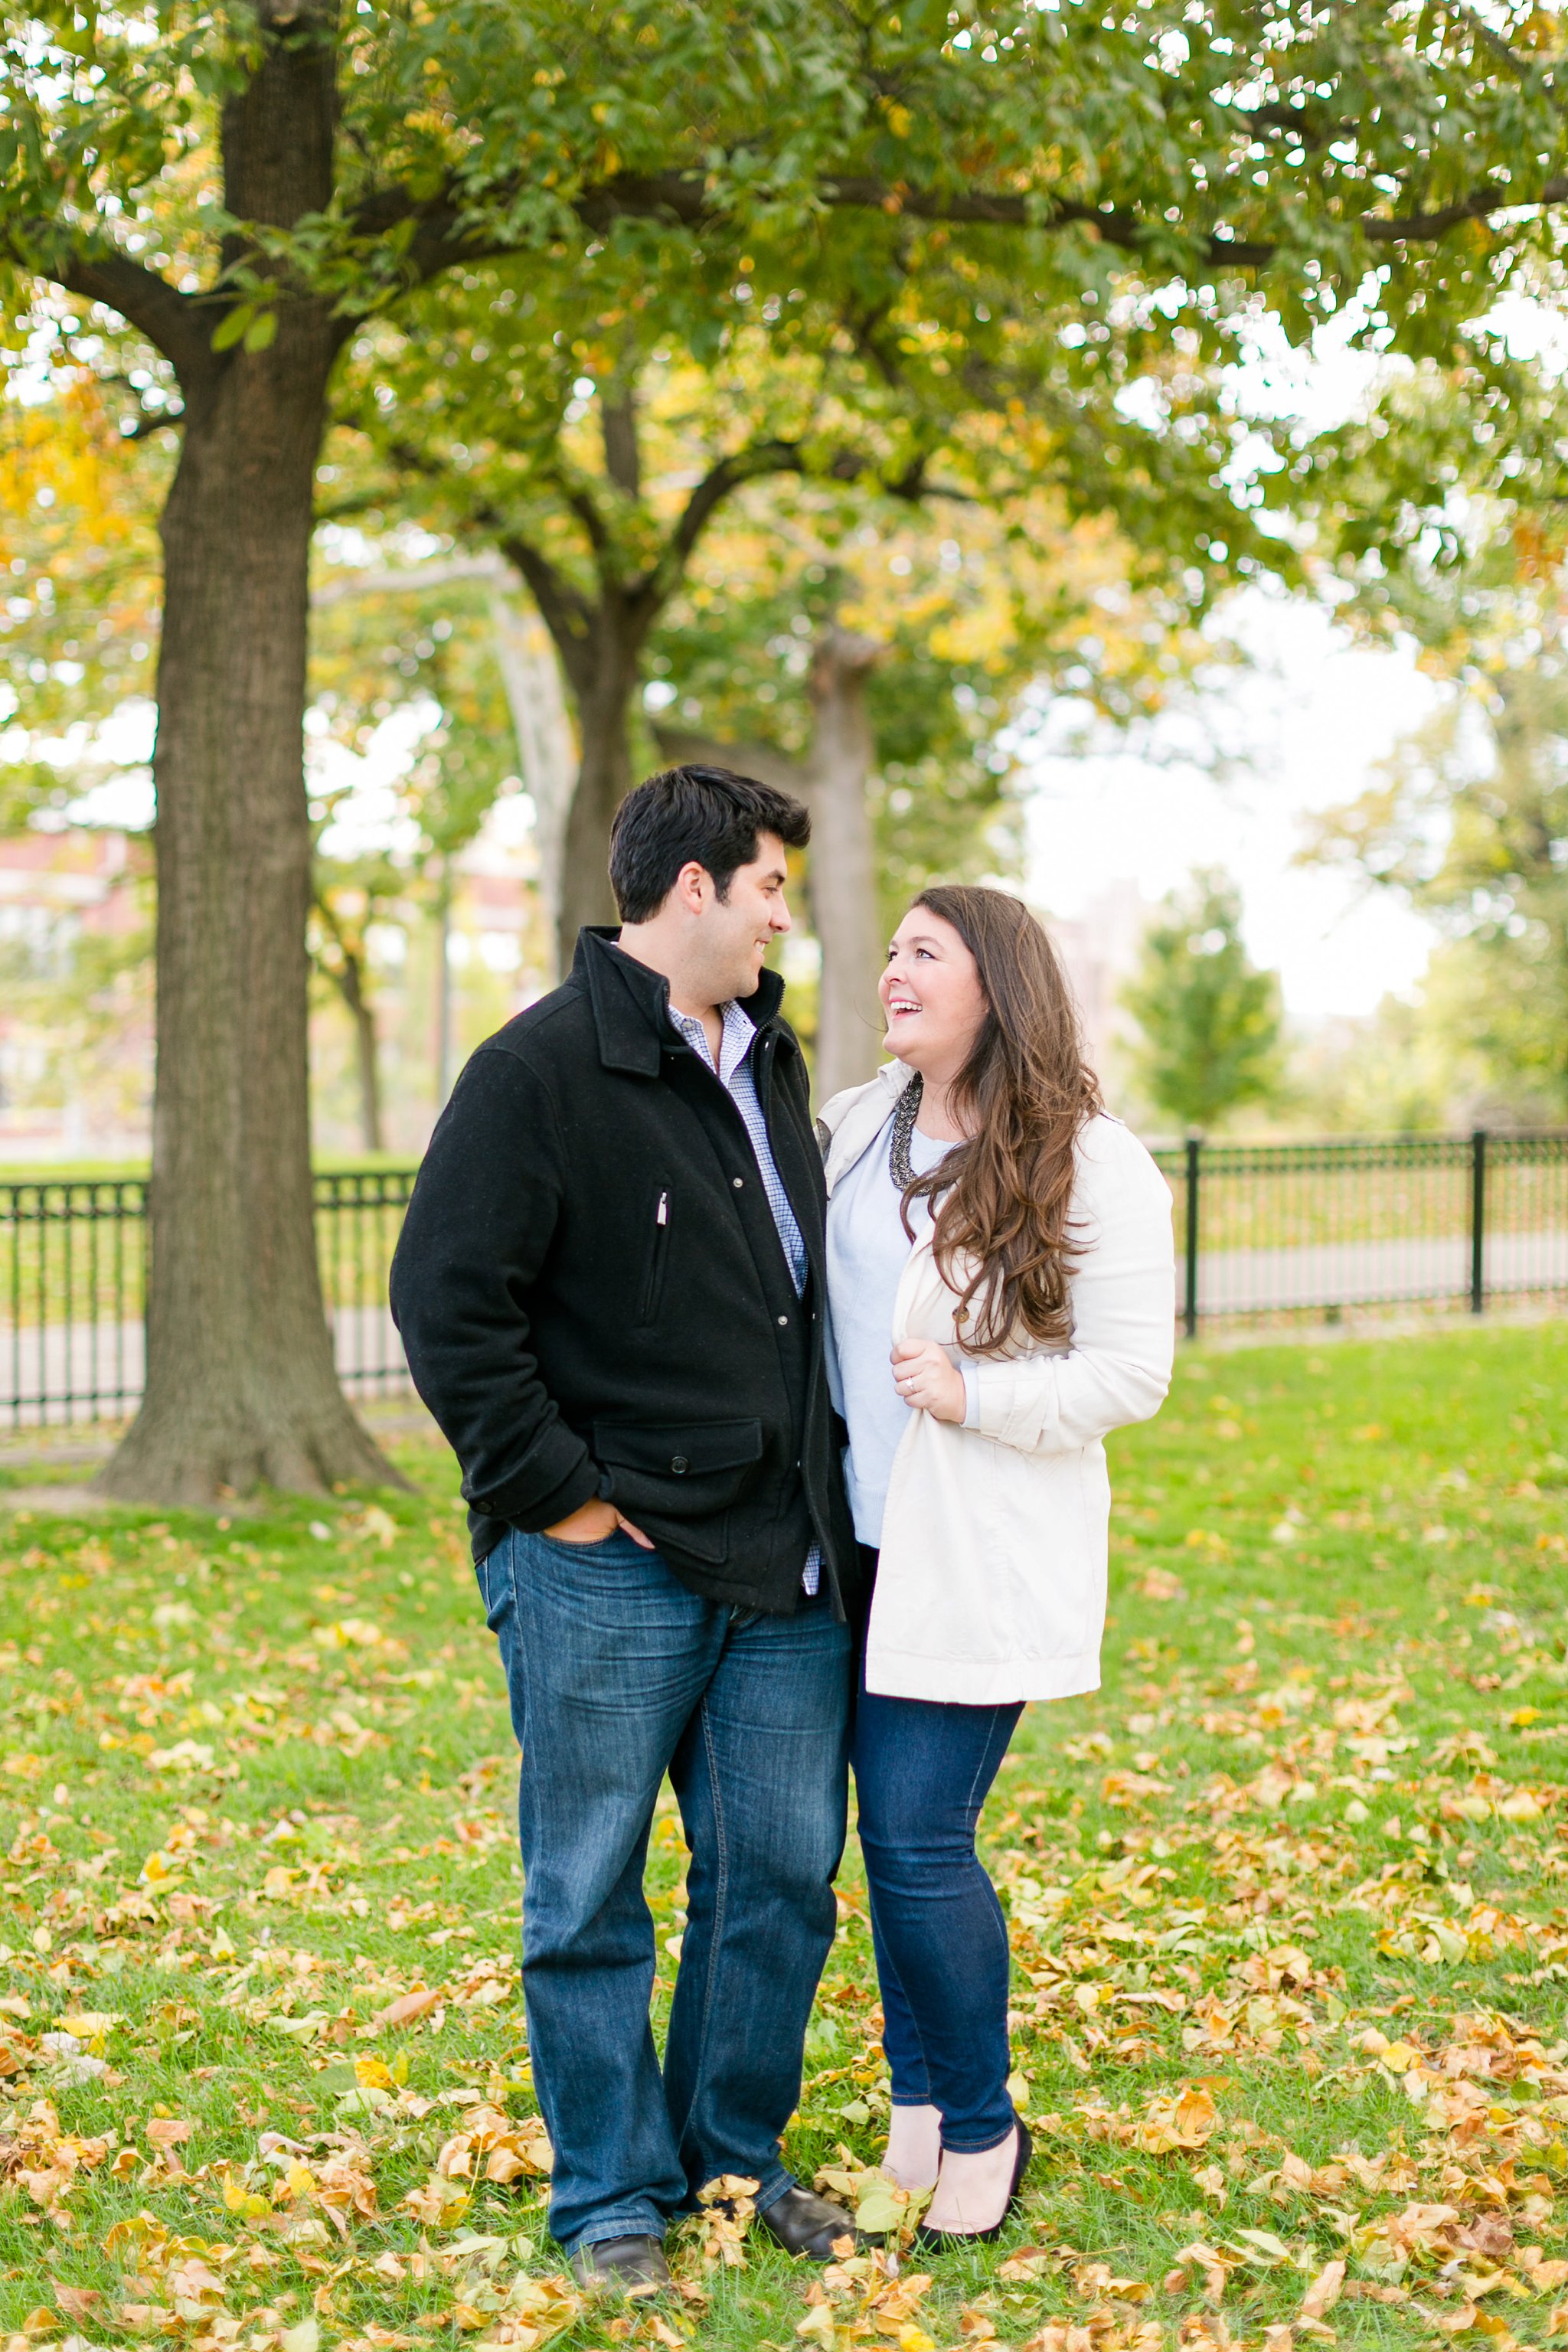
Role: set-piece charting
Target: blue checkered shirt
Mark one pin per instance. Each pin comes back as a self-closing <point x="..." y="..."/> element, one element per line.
<point x="734" y="1075"/>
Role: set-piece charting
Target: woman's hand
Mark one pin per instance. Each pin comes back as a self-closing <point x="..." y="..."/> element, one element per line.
<point x="925" y="1378"/>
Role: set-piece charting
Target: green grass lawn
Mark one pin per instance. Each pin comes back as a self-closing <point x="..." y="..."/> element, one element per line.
<point x="1288" y="1903"/>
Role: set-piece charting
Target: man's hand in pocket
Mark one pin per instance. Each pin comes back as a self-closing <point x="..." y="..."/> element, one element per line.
<point x="590" y="1523"/>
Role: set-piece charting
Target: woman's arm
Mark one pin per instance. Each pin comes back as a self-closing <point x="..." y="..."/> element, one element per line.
<point x="1123" y="1296"/>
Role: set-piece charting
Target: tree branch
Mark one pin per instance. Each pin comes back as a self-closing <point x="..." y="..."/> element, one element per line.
<point x="618" y="419"/>
<point x="568" y="615"/>
<point x="150" y="425"/>
<point x="1519" y="67"/>
<point x="760" y="761"/>
<point x="1425" y="228"/>
<point x="751" y="464"/>
<point x="441" y="237"/>
<point x="179" y="324"/>
<point x="413" y="581"/>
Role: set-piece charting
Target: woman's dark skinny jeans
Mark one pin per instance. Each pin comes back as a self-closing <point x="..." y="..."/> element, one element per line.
<point x="922" y="1773"/>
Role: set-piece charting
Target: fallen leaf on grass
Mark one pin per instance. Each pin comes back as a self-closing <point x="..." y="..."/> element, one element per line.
<point x="537" y="2310"/>
<point x="1325" y="2291"/>
<point x="1262" y="2246"/>
<point x="439" y="2204"/>
<point x="1032" y="2263"/>
<point x="1187" y="2120"/>
<point x="728" y="2205"/>
<point x="508" y="2149"/>
<point x="1200" y="2257"/>
<point x="408" y="2007"/>
<point x="78" y="2301"/>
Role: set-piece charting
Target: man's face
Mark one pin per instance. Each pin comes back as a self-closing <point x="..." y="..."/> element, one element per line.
<point x="741" y="927"/>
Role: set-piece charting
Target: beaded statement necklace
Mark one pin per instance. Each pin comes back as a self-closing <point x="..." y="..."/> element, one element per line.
<point x="905" y="1114"/>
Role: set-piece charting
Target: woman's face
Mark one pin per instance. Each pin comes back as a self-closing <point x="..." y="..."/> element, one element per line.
<point x="932" y="996"/>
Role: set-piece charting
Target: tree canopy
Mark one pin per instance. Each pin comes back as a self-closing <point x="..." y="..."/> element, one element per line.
<point x="1209" y="1019"/>
<point x="206" y="204"/>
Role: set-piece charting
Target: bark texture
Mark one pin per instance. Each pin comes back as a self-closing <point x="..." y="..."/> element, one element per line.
<point x="841" y="874"/>
<point x="240" y="1383"/>
<point x="547" y="755"/>
<point x="600" y="643"/>
<point x="362" y="1012"/>
<point x="600" y="634"/>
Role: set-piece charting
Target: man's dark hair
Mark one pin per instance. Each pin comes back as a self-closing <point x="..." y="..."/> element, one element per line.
<point x="706" y="813"/>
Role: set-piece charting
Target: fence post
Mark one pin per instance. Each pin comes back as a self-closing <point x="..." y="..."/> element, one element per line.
<point x="1477" y="1220"/>
<point x="1190" y="1302"/>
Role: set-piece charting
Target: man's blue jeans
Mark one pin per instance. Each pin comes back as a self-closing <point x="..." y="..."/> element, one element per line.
<point x="616" y="1674"/>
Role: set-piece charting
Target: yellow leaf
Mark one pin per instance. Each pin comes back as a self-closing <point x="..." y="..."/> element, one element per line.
<point x="1325" y="2291"/>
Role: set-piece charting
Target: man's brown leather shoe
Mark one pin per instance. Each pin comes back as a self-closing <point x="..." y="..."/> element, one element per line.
<point x="807" y="2225"/>
<point x="620" y="2266"/>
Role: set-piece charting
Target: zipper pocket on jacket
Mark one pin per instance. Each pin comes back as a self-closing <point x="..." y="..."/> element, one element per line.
<point x="653" y="1281"/>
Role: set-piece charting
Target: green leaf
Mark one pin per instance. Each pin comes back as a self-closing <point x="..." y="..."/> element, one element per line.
<point x="1265" y="2247"/>
<point x="364" y="2099"/>
<point x="881" y="2210"/>
<point x="261" y="330"/>
<point x="228" y="331"/>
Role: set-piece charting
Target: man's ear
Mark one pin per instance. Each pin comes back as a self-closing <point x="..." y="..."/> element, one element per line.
<point x="693" y="887"/>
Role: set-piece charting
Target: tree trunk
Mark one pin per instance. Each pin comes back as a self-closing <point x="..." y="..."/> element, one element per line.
<point x="603" y="698"/>
<point x="350" y="983"/>
<point x="547" y="756"/>
<point x="240" y="1385"/>
<point x="441" y="1010"/>
<point x="842" y="873"/>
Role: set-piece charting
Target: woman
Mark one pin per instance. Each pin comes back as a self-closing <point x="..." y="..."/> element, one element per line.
<point x="1011" y="1244"/>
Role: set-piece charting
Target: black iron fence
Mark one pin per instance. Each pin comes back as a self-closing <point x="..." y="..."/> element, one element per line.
<point x="1295" y="1230"/>
<point x="1265" y="1232"/>
<point x="73" y="1269"/>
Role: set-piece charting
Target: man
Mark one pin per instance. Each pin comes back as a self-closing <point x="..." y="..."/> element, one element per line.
<point x="610" y="1288"/>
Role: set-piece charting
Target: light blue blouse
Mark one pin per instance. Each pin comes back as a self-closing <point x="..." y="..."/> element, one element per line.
<point x="867" y="1250"/>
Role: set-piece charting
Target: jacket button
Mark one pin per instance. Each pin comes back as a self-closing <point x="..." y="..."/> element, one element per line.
<point x="680" y="1464"/>
<point x="738" y="1181"/>
<point x="782" y="1320"/>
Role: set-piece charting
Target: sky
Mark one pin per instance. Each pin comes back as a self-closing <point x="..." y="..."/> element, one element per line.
<point x="1310" y="719"/>
<point x="1315" y="714"/>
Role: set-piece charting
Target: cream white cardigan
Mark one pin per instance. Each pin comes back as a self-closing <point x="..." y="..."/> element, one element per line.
<point x="991" y="1585"/>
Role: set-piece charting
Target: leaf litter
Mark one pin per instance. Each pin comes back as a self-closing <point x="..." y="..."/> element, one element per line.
<point x="1286" y="1902"/>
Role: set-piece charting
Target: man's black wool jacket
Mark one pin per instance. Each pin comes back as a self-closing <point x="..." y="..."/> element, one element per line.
<point x="594" y="1300"/>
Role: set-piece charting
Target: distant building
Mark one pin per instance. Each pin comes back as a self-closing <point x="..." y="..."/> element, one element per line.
<point x="1100" y="946"/>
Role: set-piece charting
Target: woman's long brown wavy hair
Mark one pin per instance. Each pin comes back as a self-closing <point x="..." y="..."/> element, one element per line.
<point x="1024" y="1094"/>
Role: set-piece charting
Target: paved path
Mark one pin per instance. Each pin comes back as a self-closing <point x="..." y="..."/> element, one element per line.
<point x="1356" y="1273"/>
<point x="68" y="1365"/>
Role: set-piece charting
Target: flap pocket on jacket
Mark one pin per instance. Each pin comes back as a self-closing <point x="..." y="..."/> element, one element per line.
<point x="690" y="1450"/>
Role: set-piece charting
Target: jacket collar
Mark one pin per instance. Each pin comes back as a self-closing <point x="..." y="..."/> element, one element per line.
<point x="851" y="1122"/>
<point x="631" y="1004"/>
